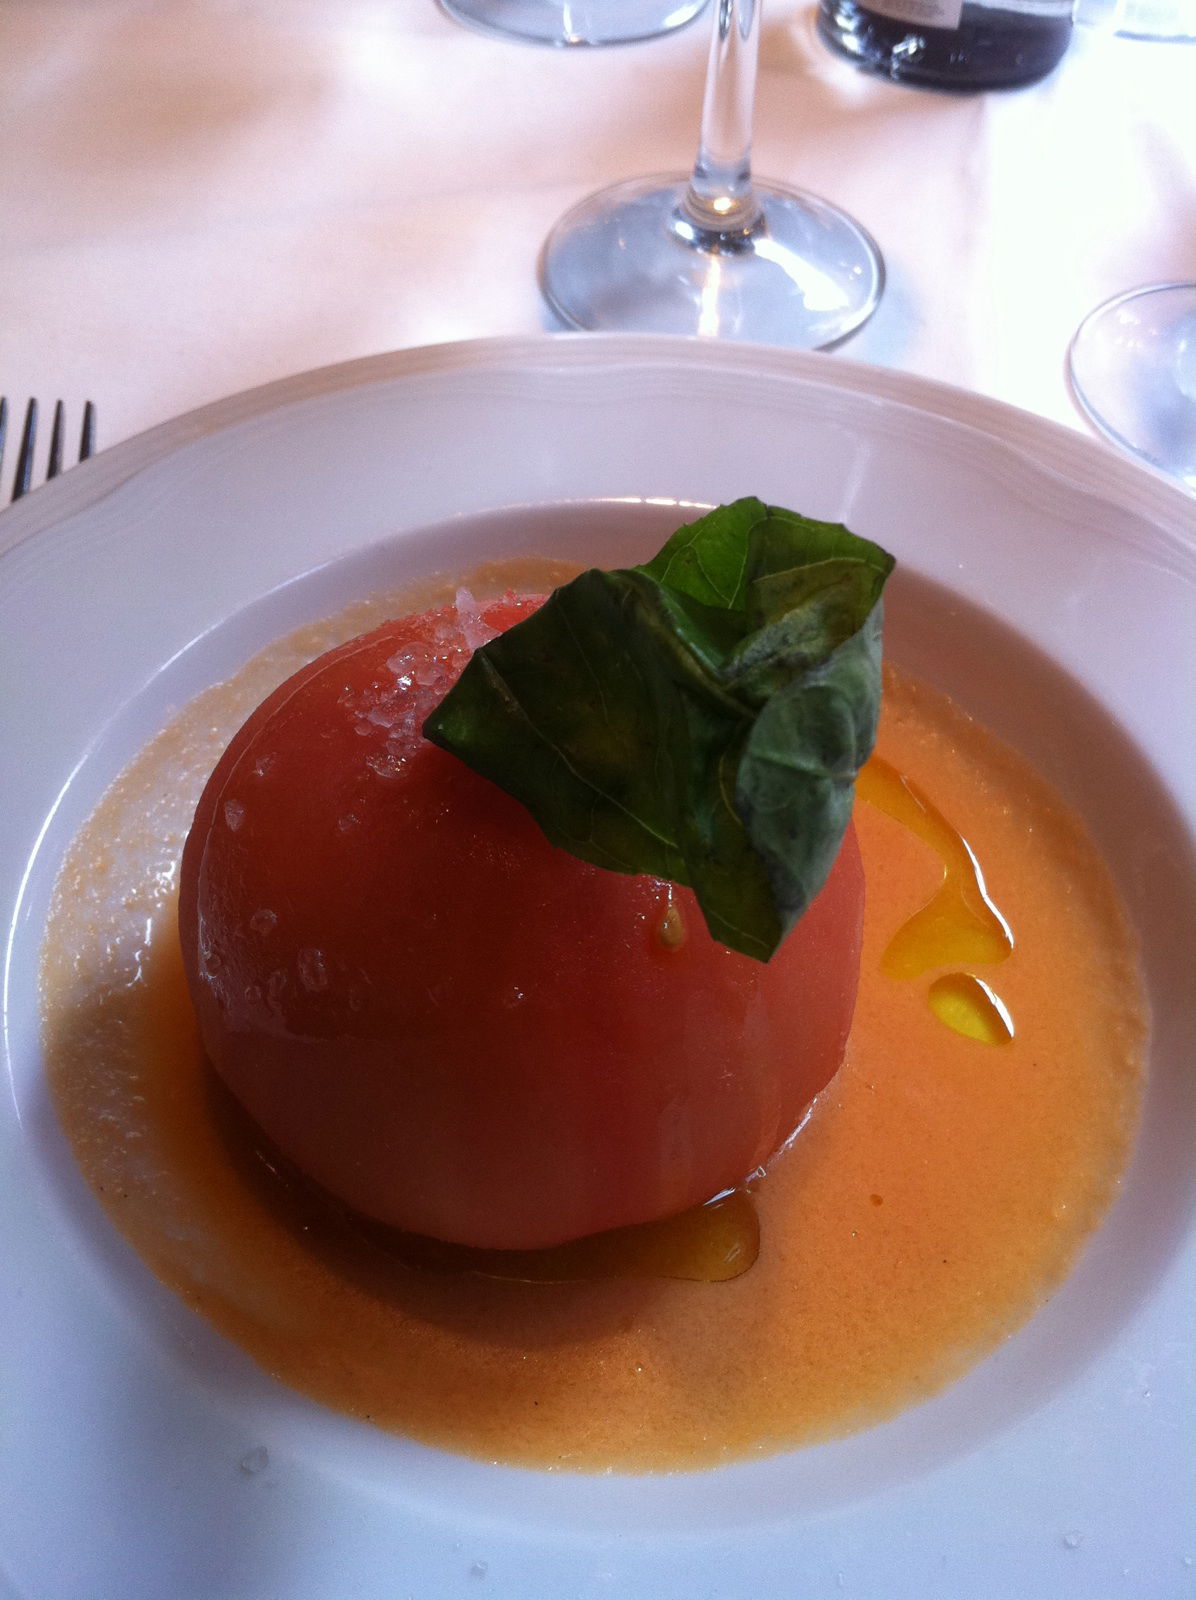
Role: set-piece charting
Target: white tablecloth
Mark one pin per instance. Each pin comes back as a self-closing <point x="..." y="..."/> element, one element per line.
<point x="198" y="196"/>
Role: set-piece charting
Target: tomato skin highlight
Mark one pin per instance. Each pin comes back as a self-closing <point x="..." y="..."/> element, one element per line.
<point x="456" y="1027"/>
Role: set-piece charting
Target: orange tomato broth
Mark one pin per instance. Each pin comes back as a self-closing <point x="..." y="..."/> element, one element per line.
<point x="939" y="1192"/>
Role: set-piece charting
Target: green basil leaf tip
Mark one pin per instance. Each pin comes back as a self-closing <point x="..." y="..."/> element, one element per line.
<point x="700" y="718"/>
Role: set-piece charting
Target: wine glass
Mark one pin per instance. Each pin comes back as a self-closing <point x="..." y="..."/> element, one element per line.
<point x="1160" y="21"/>
<point x="570" y="22"/>
<point x="1132" y="370"/>
<point x="715" y="254"/>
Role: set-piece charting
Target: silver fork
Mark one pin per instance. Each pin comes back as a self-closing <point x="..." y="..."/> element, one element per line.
<point x="23" y="476"/>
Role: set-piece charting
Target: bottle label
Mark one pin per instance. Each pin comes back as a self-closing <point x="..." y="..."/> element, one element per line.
<point x="926" y="13"/>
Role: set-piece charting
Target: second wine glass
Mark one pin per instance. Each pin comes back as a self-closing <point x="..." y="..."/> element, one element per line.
<point x="1132" y="370"/>
<point x="715" y="253"/>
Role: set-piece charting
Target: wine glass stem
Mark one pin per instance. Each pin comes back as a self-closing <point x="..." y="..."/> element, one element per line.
<point x="720" y="200"/>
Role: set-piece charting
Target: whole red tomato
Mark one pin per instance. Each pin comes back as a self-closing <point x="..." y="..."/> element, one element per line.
<point x="448" y="1022"/>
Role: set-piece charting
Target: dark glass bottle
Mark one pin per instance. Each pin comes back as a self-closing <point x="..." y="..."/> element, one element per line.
<point x="948" y="45"/>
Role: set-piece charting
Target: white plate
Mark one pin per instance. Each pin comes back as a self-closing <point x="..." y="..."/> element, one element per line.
<point x="1060" y="606"/>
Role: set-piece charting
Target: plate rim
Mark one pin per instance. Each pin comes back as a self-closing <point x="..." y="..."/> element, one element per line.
<point x="1082" y="460"/>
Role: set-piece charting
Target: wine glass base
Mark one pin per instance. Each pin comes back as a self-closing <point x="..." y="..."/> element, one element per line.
<point x="574" y="22"/>
<point x="628" y="259"/>
<point x="1132" y="371"/>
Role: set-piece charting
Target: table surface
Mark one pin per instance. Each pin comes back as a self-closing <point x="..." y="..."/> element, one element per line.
<point x="199" y="196"/>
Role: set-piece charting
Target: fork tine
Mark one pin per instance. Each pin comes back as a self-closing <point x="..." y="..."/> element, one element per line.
<point x="87" y="439"/>
<point x="25" y="454"/>
<point x="54" y="464"/>
<point x="22" y="479"/>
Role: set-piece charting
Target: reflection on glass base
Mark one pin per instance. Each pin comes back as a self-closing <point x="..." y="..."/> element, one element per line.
<point x="560" y="22"/>
<point x="631" y="259"/>
<point x="1132" y="370"/>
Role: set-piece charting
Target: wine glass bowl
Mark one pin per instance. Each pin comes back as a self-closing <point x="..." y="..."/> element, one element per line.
<point x="1132" y="370"/>
<point x="574" y="22"/>
<point x="715" y="254"/>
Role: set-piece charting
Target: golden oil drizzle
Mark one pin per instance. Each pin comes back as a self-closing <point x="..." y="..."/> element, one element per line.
<point x="711" y="1243"/>
<point x="959" y="923"/>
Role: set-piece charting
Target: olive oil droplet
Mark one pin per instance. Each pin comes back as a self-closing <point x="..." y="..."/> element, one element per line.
<point x="671" y="928"/>
<point x="967" y="1004"/>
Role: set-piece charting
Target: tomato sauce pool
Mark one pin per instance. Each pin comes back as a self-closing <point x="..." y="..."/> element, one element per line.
<point x="939" y="1191"/>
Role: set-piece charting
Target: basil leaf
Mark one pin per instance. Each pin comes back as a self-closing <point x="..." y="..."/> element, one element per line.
<point x="701" y="717"/>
